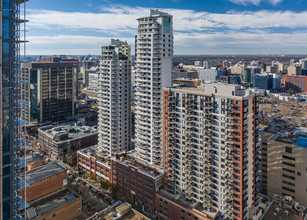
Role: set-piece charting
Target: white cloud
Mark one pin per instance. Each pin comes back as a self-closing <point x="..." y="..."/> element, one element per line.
<point x="123" y="19"/>
<point x="197" y="31"/>
<point x="72" y="40"/>
<point x="255" y="2"/>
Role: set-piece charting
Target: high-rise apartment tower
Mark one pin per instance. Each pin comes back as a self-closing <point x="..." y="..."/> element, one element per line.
<point x="115" y="98"/>
<point x="154" y="53"/>
<point x="211" y="148"/>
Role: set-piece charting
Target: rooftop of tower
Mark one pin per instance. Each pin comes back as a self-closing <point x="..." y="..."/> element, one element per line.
<point x="156" y="13"/>
<point x="230" y="90"/>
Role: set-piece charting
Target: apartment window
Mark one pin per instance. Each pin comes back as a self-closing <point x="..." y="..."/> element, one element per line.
<point x="299" y="173"/>
<point x="288" y="150"/>
<point x="289" y="177"/>
<point x="238" y="102"/>
<point x="288" y="158"/>
<point x="288" y="164"/>
<point x="290" y="190"/>
<point x="288" y="170"/>
<point x="288" y="183"/>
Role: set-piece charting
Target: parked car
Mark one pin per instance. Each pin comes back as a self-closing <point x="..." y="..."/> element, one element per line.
<point x="94" y="190"/>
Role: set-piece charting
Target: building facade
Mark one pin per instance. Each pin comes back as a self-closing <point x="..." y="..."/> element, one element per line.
<point x="154" y="53"/>
<point x="211" y="148"/>
<point x="48" y="91"/>
<point x="115" y="98"/>
<point x="9" y="108"/>
<point x="123" y="171"/>
<point x="284" y="164"/>
<point x="296" y="83"/>
<point x="60" y="142"/>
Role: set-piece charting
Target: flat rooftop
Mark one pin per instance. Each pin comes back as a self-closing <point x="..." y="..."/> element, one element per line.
<point x="296" y="136"/>
<point x="69" y="131"/>
<point x="51" y="202"/>
<point x="94" y="152"/>
<point x="127" y="159"/>
<point x="115" y="210"/>
<point x="42" y="172"/>
<point x="190" y="205"/>
<point x="220" y="89"/>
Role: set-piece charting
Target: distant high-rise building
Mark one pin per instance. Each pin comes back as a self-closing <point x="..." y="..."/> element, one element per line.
<point x="198" y="63"/>
<point x="9" y="108"/>
<point x="207" y="64"/>
<point x="115" y="98"/>
<point x="294" y="70"/>
<point x="211" y="149"/>
<point x="225" y="63"/>
<point x="303" y="63"/>
<point x="154" y="46"/>
<point x="48" y="91"/>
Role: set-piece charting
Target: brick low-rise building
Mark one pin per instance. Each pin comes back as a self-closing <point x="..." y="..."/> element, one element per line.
<point x="61" y="140"/>
<point x="123" y="171"/>
<point x="42" y="181"/>
<point x="62" y="204"/>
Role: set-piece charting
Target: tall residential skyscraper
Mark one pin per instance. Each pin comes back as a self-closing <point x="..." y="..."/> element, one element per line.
<point x="154" y="53"/>
<point x="211" y="148"/>
<point x="9" y="71"/>
<point x="114" y="98"/>
<point x="48" y="91"/>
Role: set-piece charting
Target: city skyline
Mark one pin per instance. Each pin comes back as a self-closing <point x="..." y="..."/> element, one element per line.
<point x="220" y="27"/>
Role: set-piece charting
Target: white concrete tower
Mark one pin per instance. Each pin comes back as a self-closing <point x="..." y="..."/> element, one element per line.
<point x="115" y="98"/>
<point x="154" y="55"/>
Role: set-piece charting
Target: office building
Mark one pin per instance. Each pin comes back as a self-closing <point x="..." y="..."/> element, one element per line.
<point x="296" y="83"/>
<point x="91" y="78"/>
<point x="266" y="81"/>
<point x="230" y="79"/>
<point x="294" y="70"/>
<point x="211" y="149"/>
<point x="272" y="69"/>
<point x="284" y="165"/>
<point x="154" y="46"/>
<point x="183" y="73"/>
<point x="11" y="23"/>
<point x="48" y="91"/>
<point x="209" y="74"/>
<point x="115" y="98"/>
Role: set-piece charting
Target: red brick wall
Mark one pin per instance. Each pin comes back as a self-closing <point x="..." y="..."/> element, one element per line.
<point x="66" y="211"/>
<point x="168" y="209"/>
<point x="44" y="186"/>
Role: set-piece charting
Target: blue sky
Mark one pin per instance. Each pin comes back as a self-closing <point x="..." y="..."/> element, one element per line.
<point x="203" y="27"/>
